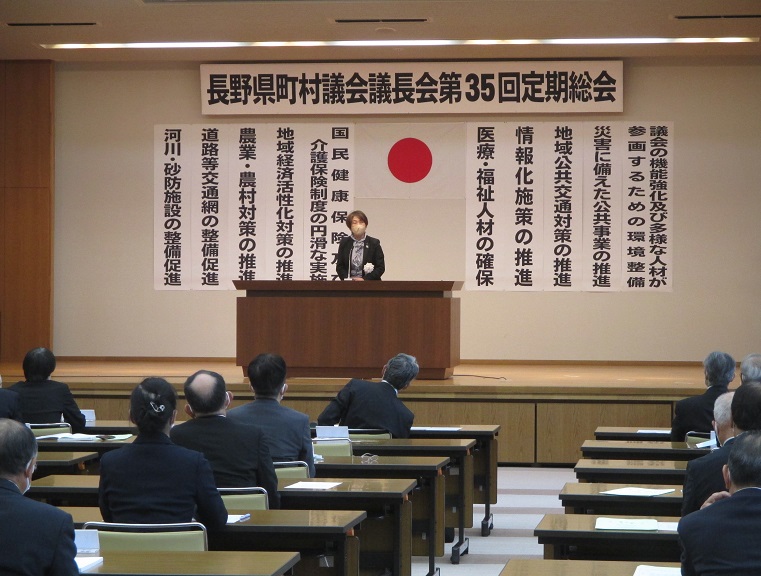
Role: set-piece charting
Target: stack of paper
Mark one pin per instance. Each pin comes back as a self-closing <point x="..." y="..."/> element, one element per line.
<point x="643" y="524"/>
<point x="637" y="491"/>
<point x="85" y="562"/>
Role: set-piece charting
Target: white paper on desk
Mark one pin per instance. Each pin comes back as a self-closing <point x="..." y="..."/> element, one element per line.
<point x="234" y="518"/>
<point x="85" y="562"/>
<point x="67" y="436"/>
<point x="663" y="431"/>
<point x="314" y="485"/>
<point x="436" y="428"/>
<point x="116" y="437"/>
<point x="635" y="491"/>
<point x="667" y="526"/>
<point x="644" y="524"/>
<point x="645" y="570"/>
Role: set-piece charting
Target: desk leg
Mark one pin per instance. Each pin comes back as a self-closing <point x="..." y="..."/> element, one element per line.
<point x="489" y="448"/>
<point x="461" y="547"/>
<point x="433" y="505"/>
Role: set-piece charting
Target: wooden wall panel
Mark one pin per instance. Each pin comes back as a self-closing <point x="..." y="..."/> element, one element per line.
<point x="27" y="278"/>
<point x="561" y="427"/>
<point x="29" y="146"/>
<point x="26" y="207"/>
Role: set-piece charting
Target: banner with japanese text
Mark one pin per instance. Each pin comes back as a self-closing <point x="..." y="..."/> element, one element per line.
<point x="478" y="87"/>
<point x="569" y="206"/>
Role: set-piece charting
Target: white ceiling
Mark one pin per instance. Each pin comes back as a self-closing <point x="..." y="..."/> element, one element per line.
<point x="290" y="20"/>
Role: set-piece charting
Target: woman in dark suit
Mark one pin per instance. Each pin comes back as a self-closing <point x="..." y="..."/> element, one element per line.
<point x="153" y="480"/>
<point x="44" y="400"/>
<point x="360" y="257"/>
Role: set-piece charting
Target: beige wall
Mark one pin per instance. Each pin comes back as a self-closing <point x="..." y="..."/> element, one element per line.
<point x="105" y="304"/>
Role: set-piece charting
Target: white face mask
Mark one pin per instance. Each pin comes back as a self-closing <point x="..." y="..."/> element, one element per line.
<point x="358" y="229"/>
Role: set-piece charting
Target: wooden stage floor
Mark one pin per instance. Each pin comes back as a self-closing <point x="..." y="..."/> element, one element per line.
<point x="679" y="379"/>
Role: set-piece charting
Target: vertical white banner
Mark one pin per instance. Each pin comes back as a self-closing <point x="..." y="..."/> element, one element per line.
<point x="248" y="226"/>
<point x="171" y="211"/>
<point x="563" y="188"/>
<point x="603" y="174"/>
<point x="523" y="160"/>
<point x="487" y="265"/>
<point x="648" y="207"/>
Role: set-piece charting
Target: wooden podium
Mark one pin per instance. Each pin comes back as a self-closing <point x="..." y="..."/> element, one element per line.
<point x="349" y="329"/>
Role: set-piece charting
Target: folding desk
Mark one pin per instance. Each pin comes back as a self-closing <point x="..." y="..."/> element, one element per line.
<point x="312" y="533"/>
<point x="62" y="462"/>
<point x="632" y="433"/>
<point x="459" y="490"/>
<point x="573" y="536"/>
<point x="534" y="567"/>
<point x="385" y="536"/>
<point x="640" y="450"/>
<point x="427" y="505"/>
<point x="196" y="563"/>
<point x="631" y="471"/>
<point x="586" y="498"/>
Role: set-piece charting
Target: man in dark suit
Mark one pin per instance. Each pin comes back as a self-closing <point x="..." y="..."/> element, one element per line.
<point x="704" y="476"/>
<point x="237" y="451"/>
<point x="695" y="414"/>
<point x="364" y="404"/>
<point x="722" y="538"/>
<point x="35" y="538"/>
<point x="44" y="400"/>
<point x="360" y="257"/>
<point x="286" y="430"/>
<point x="10" y="406"/>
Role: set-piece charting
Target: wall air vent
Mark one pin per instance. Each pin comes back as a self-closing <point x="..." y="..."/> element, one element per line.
<point x="720" y="17"/>
<point x="46" y="24"/>
<point x="381" y="20"/>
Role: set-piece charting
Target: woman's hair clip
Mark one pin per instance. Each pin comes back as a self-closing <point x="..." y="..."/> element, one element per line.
<point x="158" y="408"/>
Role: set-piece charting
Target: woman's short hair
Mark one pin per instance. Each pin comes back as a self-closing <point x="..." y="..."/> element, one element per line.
<point x="38" y="365"/>
<point x="152" y="404"/>
<point x="356" y="214"/>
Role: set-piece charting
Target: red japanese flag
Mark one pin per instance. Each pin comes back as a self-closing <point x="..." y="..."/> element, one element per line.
<point x="409" y="160"/>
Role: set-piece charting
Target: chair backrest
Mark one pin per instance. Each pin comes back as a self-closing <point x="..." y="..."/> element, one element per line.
<point x="250" y="498"/>
<point x="50" y="428"/>
<point x="332" y="447"/>
<point x="180" y="537"/>
<point x="292" y="469"/>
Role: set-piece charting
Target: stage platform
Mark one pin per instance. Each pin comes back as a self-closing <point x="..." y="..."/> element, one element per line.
<point x="545" y="409"/>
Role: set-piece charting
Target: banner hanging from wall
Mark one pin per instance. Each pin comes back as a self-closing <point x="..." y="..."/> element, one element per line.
<point x="548" y="206"/>
<point x="480" y="87"/>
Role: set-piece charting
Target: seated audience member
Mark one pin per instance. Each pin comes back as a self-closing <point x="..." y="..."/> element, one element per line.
<point x="153" y="480"/>
<point x="237" y="451"/>
<point x="365" y="404"/>
<point x="286" y="430"/>
<point x="35" y="538"/>
<point x="722" y="538"/>
<point x="750" y="368"/>
<point x="10" y="406"/>
<point x="44" y="400"/>
<point x="704" y="474"/>
<point x="696" y="413"/>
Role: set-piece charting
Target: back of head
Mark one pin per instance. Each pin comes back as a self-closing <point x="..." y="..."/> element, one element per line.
<point x="745" y="460"/>
<point x="750" y="368"/>
<point x="205" y="392"/>
<point x="38" y="365"/>
<point x="401" y="370"/>
<point x="746" y="407"/>
<point x="266" y="373"/>
<point x="719" y="369"/>
<point x="17" y="447"/>
<point x="152" y="405"/>
<point x="722" y="409"/>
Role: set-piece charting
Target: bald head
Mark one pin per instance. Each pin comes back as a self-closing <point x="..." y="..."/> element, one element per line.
<point x="206" y="393"/>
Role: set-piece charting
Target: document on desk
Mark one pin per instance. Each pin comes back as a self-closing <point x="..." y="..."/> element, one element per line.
<point x="436" y="428"/>
<point x="667" y="526"/>
<point x="638" y="524"/>
<point x="637" y="491"/>
<point x="85" y="562"/>
<point x="235" y="518"/>
<point x="313" y="485"/>
<point x="645" y="570"/>
<point x="68" y="436"/>
<point x="664" y="431"/>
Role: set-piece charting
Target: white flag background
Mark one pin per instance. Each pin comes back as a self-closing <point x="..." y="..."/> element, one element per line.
<point x="548" y="206"/>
